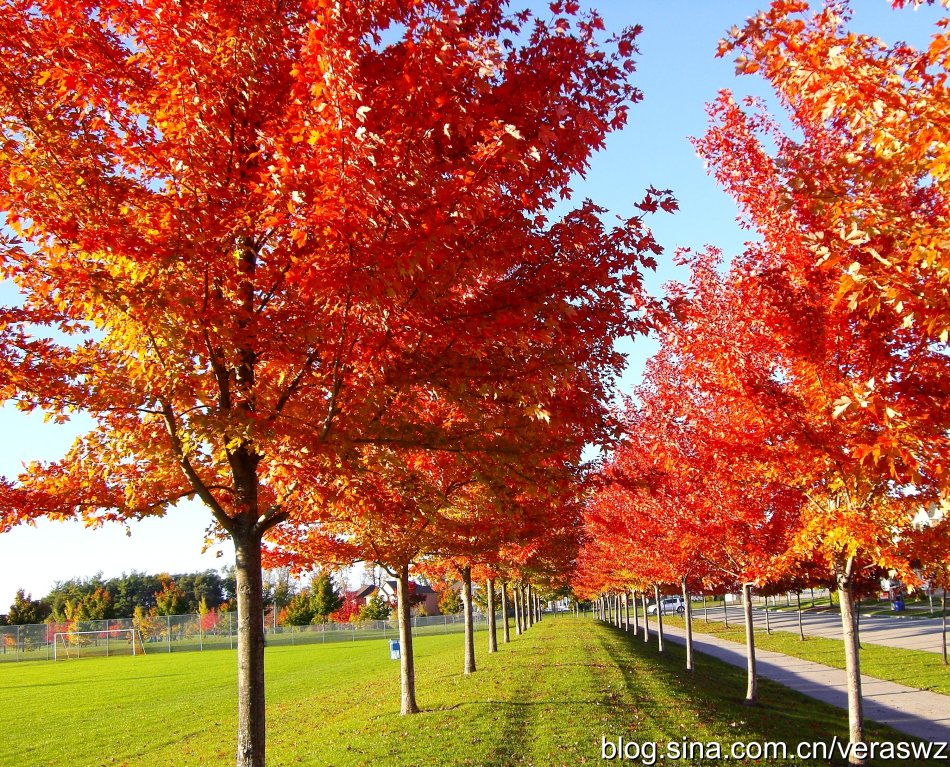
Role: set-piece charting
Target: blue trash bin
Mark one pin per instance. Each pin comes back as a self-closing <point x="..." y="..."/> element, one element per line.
<point x="393" y="649"/>
<point x="898" y="605"/>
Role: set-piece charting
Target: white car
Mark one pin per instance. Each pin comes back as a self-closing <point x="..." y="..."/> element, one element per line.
<point x="670" y="605"/>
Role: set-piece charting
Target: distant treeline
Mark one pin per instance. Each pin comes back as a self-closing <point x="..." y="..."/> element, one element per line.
<point x="96" y="598"/>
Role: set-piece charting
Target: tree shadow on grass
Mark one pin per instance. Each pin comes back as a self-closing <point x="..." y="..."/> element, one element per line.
<point x="708" y="704"/>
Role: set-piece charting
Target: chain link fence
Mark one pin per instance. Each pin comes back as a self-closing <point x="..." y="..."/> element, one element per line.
<point x="192" y="633"/>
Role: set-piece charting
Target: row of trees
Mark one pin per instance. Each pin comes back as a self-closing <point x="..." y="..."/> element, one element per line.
<point x="793" y="428"/>
<point x="300" y="261"/>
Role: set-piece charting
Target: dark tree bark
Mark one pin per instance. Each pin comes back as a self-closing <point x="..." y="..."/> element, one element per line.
<point x="469" y="666"/>
<point x="943" y="623"/>
<point x="407" y="669"/>
<point x="505" y="627"/>
<point x="646" y="617"/>
<point x="251" y="731"/>
<point x="801" y="628"/>
<point x="688" y="615"/>
<point x="659" y="619"/>
<point x="852" y="659"/>
<point x="492" y="629"/>
<point x="516" y="597"/>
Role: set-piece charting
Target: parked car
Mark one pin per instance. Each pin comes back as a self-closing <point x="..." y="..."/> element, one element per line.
<point x="670" y="605"/>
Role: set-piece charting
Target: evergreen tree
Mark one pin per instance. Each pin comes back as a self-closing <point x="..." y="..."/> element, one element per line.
<point x="324" y="596"/>
<point x="300" y="610"/>
<point x="375" y="609"/>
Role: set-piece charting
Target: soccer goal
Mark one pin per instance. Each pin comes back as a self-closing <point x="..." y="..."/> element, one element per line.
<point x="74" y="644"/>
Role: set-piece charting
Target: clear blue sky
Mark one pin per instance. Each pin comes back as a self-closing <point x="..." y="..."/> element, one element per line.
<point x="677" y="73"/>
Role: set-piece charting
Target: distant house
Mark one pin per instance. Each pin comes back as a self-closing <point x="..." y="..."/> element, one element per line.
<point x="421" y="594"/>
<point x="363" y="594"/>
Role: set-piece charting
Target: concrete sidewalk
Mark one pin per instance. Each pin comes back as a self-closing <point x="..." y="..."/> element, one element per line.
<point x="922" y="714"/>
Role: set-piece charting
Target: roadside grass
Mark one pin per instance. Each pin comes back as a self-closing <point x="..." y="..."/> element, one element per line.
<point x="913" y="668"/>
<point x="913" y="608"/>
<point x="548" y="698"/>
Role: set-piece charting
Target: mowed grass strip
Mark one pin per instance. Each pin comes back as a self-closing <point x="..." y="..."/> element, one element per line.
<point x="913" y="668"/>
<point x="545" y="699"/>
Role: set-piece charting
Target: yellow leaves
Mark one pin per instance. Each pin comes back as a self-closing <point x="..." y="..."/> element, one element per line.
<point x="298" y="237"/>
<point x="513" y="131"/>
<point x="853" y="236"/>
<point x="841" y="405"/>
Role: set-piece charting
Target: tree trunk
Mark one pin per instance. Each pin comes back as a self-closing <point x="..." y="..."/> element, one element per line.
<point x="646" y="617"/>
<point x="251" y="732"/>
<point x="725" y="611"/>
<point x="852" y="661"/>
<point x="505" y="628"/>
<point x="407" y="669"/>
<point x="857" y="621"/>
<point x="528" y="602"/>
<point x="768" y="623"/>
<point x="636" y="615"/>
<point x="626" y="609"/>
<point x="516" y="598"/>
<point x="688" y="615"/>
<point x="943" y="623"/>
<point x="659" y="619"/>
<point x="751" y="693"/>
<point x="801" y="629"/>
<point x="469" y="625"/>
<point x="492" y="629"/>
<point x="705" y="609"/>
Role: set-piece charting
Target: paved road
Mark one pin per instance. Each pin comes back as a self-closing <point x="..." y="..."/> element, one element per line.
<point x="919" y="713"/>
<point x="909" y="633"/>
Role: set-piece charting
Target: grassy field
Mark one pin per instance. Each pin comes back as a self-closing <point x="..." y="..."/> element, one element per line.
<point x="545" y="699"/>
<point x="913" y="668"/>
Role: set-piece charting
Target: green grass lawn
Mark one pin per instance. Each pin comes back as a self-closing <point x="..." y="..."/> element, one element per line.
<point x="914" y="668"/>
<point x="545" y="699"/>
<point x="913" y="608"/>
